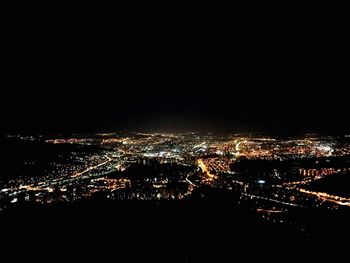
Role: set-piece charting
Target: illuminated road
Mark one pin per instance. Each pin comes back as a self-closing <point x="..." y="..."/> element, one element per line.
<point x="204" y="168"/>
<point x="271" y="200"/>
<point x="269" y="211"/>
<point x="91" y="168"/>
<point x="188" y="178"/>
<point x="327" y="197"/>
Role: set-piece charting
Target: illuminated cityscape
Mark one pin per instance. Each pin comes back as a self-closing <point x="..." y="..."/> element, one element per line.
<point x="139" y="139"/>
<point x="272" y="176"/>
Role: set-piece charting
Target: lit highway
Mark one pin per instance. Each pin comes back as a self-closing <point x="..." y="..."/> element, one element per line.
<point x="327" y="197"/>
<point x="271" y="200"/>
<point x="90" y="168"/>
<point x="188" y="178"/>
<point x="205" y="170"/>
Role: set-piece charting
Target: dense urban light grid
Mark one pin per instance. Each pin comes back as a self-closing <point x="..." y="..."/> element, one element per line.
<point x="269" y="174"/>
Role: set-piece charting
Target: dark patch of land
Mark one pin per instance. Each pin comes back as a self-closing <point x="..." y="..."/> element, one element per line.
<point x="337" y="184"/>
<point x="213" y="229"/>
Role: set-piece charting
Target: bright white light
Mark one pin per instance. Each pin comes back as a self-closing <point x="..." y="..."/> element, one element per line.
<point x="261" y="181"/>
<point x="326" y="148"/>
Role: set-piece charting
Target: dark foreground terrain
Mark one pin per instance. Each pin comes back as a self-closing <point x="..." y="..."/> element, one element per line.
<point x="179" y="231"/>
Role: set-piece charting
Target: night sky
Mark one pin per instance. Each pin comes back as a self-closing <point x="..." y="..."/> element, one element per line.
<point x="83" y="81"/>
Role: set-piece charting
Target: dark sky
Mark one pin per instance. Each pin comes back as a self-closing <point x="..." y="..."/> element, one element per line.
<point x="275" y="79"/>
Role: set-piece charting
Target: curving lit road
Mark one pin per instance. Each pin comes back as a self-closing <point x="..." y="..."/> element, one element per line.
<point x="204" y="168"/>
